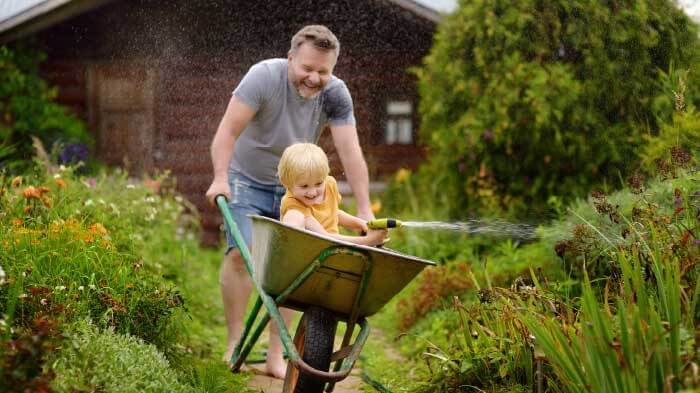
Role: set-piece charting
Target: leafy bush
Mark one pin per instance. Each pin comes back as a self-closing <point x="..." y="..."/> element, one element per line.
<point x="602" y="223"/>
<point x="76" y="243"/>
<point x="677" y="145"/>
<point x="94" y="360"/>
<point x="23" y="364"/>
<point x="116" y="250"/>
<point x="28" y="108"/>
<point x="521" y="101"/>
<point x="435" y="285"/>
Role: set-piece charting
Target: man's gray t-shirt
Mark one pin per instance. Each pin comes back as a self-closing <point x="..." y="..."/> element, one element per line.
<point x="283" y="117"/>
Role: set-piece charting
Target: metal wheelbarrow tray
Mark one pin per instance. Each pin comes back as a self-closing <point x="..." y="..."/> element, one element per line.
<point x="281" y="253"/>
<point x="328" y="280"/>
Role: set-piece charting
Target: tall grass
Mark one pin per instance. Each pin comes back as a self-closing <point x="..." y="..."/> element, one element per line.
<point x="634" y="333"/>
<point x="625" y="320"/>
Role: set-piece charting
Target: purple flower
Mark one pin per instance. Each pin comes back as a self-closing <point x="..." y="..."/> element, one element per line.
<point x="487" y="136"/>
<point x="74" y="153"/>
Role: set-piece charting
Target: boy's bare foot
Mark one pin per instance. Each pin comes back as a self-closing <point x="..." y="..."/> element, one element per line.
<point x="276" y="368"/>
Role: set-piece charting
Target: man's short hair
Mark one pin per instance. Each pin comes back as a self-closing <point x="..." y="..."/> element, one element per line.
<point x="319" y="36"/>
<point x="302" y="159"/>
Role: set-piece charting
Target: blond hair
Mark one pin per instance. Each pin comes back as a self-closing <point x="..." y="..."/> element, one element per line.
<point x="319" y="36"/>
<point x="302" y="159"/>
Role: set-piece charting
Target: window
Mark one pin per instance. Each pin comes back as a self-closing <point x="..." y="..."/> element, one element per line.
<point x="399" y="123"/>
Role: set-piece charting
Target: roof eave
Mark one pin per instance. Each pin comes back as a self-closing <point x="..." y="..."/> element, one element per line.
<point x="418" y="9"/>
<point x="51" y="12"/>
<point x="44" y="15"/>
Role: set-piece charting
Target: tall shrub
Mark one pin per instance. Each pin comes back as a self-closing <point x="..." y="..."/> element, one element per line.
<point x="523" y="100"/>
<point x="28" y="108"/>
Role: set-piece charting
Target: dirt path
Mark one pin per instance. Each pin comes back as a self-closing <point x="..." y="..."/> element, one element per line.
<point x="352" y="384"/>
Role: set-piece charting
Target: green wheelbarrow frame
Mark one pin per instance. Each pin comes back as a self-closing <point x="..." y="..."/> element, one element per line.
<point x="313" y="283"/>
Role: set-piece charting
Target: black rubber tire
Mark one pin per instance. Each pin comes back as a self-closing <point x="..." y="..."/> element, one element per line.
<point x="314" y="342"/>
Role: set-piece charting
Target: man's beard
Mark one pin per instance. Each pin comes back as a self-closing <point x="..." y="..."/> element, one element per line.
<point x="307" y="92"/>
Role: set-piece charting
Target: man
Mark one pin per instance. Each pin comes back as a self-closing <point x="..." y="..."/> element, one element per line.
<point x="277" y="103"/>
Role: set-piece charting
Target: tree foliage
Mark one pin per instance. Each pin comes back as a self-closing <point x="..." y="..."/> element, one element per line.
<point x="524" y="100"/>
<point x="28" y="108"/>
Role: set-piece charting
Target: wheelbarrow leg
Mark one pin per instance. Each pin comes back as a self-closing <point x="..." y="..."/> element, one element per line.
<point x="245" y="344"/>
<point x="350" y="327"/>
<point x="354" y="314"/>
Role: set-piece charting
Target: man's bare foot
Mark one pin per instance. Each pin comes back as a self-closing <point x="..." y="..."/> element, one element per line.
<point x="276" y="368"/>
<point x="229" y="351"/>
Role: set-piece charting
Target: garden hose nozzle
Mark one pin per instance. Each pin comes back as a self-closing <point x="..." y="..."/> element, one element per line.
<point x="384" y="223"/>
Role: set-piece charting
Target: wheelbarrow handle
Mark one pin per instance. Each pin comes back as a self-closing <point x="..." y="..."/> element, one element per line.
<point x="247" y="259"/>
<point x="222" y="203"/>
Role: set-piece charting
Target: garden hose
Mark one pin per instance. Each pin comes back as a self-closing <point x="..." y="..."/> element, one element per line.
<point x="384" y="223"/>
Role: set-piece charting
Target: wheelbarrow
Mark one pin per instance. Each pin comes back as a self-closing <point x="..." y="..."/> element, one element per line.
<point x="328" y="281"/>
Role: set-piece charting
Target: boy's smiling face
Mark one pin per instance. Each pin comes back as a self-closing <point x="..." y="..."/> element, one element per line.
<point x="309" y="189"/>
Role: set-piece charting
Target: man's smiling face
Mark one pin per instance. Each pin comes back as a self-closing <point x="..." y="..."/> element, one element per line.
<point x="310" y="69"/>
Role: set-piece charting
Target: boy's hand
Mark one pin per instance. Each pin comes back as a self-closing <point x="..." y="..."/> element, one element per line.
<point x="362" y="226"/>
<point x="376" y="237"/>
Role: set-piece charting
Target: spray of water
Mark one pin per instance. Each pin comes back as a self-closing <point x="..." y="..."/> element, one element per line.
<point x="490" y="228"/>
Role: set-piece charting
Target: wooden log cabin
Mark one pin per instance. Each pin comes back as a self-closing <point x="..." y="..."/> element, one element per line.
<point x="152" y="78"/>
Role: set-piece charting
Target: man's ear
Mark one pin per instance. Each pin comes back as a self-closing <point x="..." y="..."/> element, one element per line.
<point x="289" y="55"/>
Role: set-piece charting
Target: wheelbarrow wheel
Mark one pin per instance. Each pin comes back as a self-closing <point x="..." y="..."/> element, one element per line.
<point x="314" y="342"/>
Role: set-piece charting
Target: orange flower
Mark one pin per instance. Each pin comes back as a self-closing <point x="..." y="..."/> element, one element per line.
<point x="46" y="201"/>
<point x="153" y="185"/>
<point x="16" y="182"/>
<point x="27" y="209"/>
<point x="98" y="229"/>
<point x="376" y="206"/>
<point x="71" y="223"/>
<point x="88" y="239"/>
<point x="31" y="192"/>
<point x="402" y="174"/>
<point x="16" y="222"/>
<point x="60" y="183"/>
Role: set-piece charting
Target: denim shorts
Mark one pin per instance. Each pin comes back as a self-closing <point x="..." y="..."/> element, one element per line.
<point x="250" y="197"/>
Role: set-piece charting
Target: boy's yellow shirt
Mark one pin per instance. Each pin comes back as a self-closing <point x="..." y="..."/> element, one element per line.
<point x="326" y="212"/>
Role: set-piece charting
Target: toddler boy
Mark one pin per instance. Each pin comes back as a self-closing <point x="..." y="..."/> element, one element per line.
<point x="312" y="197"/>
